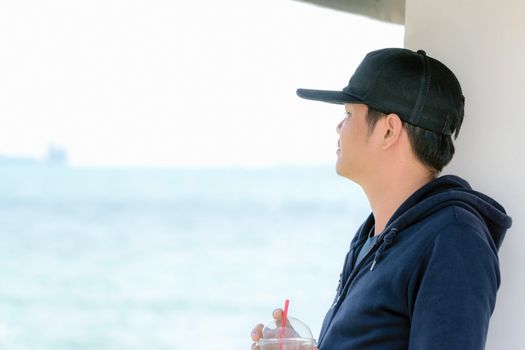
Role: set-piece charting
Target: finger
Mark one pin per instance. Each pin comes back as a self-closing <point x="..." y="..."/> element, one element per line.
<point x="257" y="332"/>
<point x="277" y="314"/>
<point x="255" y="346"/>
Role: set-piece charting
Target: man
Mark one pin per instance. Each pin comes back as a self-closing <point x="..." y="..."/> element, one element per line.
<point x="422" y="271"/>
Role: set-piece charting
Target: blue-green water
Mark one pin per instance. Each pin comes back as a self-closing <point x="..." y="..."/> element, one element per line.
<point x="167" y="259"/>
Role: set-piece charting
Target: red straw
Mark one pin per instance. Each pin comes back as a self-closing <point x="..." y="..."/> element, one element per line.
<point x="283" y="323"/>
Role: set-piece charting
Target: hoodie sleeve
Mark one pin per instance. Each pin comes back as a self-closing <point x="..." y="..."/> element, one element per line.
<point x="455" y="290"/>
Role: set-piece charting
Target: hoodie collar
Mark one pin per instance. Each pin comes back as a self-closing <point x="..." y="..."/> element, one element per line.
<point x="444" y="191"/>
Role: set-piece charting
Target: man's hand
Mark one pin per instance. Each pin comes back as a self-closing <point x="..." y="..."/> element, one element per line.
<point x="257" y="332"/>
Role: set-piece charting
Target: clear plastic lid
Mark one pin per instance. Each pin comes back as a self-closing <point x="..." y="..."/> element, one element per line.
<point x="294" y="336"/>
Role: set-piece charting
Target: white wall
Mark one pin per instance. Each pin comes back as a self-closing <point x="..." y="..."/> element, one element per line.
<point x="483" y="42"/>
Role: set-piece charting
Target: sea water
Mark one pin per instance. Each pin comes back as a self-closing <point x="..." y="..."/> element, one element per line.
<point x="94" y="258"/>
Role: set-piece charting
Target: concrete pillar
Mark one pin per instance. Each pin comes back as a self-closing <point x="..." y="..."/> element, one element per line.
<point x="483" y="43"/>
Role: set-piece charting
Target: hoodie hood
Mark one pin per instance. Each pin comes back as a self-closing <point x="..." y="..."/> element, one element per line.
<point x="448" y="190"/>
<point x="411" y="299"/>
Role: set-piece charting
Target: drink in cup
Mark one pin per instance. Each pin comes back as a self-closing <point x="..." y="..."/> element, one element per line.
<point x="290" y="335"/>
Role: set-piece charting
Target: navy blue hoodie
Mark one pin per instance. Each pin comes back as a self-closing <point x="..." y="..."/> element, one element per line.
<point x="429" y="281"/>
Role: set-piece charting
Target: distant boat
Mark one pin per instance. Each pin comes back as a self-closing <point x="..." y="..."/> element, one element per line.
<point x="56" y="156"/>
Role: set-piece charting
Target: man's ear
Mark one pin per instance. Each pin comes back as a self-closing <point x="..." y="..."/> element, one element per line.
<point x="392" y="128"/>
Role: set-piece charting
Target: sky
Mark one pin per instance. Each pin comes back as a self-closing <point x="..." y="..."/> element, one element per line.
<point x="173" y="83"/>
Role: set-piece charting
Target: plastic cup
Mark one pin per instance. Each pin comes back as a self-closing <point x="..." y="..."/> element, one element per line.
<point x="295" y="336"/>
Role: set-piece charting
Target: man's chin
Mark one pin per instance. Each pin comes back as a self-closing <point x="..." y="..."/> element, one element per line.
<point x="342" y="171"/>
<point x="339" y="168"/>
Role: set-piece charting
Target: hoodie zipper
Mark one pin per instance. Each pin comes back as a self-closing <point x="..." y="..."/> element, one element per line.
<point x="356" y="270"/>
<point x="347" y="285"/>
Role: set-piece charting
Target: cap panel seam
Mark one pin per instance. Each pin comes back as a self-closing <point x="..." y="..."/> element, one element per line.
<point x="426" y="78"/>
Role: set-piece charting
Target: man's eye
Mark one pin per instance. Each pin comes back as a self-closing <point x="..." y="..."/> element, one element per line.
<point x="348" y="114"/>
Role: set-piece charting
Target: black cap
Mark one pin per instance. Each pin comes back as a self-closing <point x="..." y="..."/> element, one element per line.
<point x="418" y="88"/>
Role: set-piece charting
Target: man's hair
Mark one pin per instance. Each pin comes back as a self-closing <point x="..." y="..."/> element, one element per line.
<point x="433" y="149"/>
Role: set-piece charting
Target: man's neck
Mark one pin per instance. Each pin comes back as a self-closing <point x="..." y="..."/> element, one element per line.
<point x="386" y="195"/>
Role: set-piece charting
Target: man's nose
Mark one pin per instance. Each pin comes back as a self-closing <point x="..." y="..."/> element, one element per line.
<point x="338" y="128"/>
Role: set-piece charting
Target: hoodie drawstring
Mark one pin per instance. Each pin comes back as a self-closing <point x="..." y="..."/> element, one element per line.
<point x="388" y="240"/>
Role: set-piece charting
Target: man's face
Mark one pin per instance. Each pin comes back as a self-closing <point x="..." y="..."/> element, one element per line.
<point x="354" y="153"/>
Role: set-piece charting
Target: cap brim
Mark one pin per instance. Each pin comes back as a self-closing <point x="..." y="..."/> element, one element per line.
<point x="336" y="97"/>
